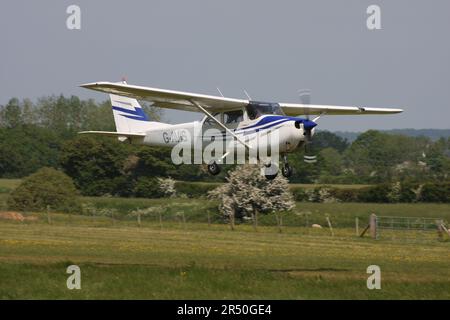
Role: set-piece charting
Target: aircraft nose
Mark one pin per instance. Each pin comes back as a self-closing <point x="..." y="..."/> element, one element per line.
<point x="307" y="124"/>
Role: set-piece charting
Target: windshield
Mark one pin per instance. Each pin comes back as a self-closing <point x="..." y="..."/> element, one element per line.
<point x="256" y="109"/>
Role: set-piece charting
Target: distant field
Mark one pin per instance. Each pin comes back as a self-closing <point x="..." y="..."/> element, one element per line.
<point x="196" y="210"/>
<point x="123" y="261"/>
<point x="6" y="185"/>
<point x="338" y="186"/>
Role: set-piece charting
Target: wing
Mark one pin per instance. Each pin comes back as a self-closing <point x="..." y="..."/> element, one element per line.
<point x="185" y="101"/>
<point x="168" y="98"/>
<point x="292" y="109"/>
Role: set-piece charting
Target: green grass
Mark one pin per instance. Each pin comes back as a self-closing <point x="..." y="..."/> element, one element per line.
<point x="338" y="186"/>
<point x="195" y="260"/>
<point x="6" y="185"/>
<point x="122" y="261"/>
<point x="341" y="214"/>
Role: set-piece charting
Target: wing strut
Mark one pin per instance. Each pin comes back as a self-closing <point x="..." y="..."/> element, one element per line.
<point x="219" y="123"/>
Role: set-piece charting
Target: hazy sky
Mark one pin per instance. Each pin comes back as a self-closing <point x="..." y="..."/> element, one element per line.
<point x="269" y="48"/>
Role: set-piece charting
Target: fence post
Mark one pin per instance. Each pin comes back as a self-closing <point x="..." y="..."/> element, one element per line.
<point x="49" y="218"/>
<point x="279" y="219"/>
<point x="440" y="229"/>
<point x="357" y="226"/>
<point x="329" y="225"/>
<point x="255" y="219"/>
<point x="209" y="219"/>
<point x="232" y="219"/>
<point x="373" y="226"/>
<point x="139" y="219"/>
<point x="160" y="220"/>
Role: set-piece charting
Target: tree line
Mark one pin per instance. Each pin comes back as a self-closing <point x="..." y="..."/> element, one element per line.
<point x="44" y="134"/>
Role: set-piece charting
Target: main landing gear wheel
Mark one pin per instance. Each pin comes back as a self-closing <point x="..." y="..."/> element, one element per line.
<point x="213" y="168"/>
<point x="286" y="171"/>
<point x="270" y="171"/>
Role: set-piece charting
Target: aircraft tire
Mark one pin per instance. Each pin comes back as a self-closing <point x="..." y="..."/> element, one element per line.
<point x="213" y="168"/>
<point x="286" y="171"/>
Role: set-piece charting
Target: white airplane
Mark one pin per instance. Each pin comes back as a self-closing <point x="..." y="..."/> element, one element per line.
<point x="238" y="120"/>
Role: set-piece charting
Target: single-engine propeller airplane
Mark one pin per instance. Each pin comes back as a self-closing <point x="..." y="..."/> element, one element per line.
<point x="238" y="120"/>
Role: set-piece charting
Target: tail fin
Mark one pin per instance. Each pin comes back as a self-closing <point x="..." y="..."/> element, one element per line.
<point x="129" y="115"/>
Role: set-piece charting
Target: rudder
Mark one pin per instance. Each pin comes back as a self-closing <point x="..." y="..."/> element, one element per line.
<point x="129" y="116"/>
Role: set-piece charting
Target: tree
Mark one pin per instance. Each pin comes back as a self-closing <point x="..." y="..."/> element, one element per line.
<point x="330" y="162"/>
<point x="437" y="158"/>
<point x="375" y="157"/>
<point x="247" y="193"/>
<point x="11" y="114"/>
<point x="27" y="148"/>
<point x="327" y="139"/>
<point x="148" y="187"/>
<point x="95" y="164"/>
<point x="47" y="188"/>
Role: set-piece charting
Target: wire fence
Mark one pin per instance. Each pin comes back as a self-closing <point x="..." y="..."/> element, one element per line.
<point x="411" y="228"/>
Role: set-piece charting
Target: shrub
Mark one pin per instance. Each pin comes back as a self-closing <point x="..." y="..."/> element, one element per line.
<point x="346" y="195"/>
<point x="410" y="192"/>
<point x="147" y="187"/>
<point x="167" y="187"/>
<point x="299" y="194"/>
<point x="436" y="192"/>
<point x="46" y="187"/>
<point x="247" y="192"/>
<point x="194" y="189"/>
<point x="378" y="193"/>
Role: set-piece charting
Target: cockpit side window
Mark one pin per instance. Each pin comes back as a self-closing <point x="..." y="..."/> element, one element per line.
<point x="211" y="122"/>
<point x="257" y="109"/>
<point x="233" y="116"/>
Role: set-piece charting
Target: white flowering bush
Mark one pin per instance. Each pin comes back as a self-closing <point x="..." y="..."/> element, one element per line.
<point x="395" y="192"/>
<point x="167" y="187"/>
<point x="247" y="192"/>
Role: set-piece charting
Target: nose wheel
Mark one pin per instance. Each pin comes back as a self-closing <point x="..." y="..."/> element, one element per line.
<point x="270" y="171"/>
<point x="286" y="171"/>
<point x="213" y="168"/>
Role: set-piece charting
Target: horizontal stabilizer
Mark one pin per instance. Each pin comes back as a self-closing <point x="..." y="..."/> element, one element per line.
<point x="115" y="134"/>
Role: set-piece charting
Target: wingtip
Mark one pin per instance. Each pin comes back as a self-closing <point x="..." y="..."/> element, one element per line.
<point x="91" y="85"/>
<point x="88" y="85"/>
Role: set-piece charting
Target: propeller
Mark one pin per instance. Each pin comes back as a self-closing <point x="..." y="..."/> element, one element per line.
<point x="308" y="125"/>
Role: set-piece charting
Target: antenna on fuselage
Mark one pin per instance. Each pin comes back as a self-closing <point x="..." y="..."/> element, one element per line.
<point x="220" y="92"/>
<point x="249" y="98"/>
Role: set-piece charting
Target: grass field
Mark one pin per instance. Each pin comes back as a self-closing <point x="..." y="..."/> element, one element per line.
<point x="197" y="260"/>
<point x="121" y="261"/>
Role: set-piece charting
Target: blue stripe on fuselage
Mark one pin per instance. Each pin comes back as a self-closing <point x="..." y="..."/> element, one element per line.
<point x="271" y="120"/>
